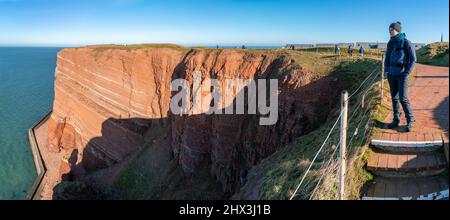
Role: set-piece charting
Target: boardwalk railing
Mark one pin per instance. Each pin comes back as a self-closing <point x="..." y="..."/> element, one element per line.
<point x="351" y="128"/>
<point x="36" y="188"/>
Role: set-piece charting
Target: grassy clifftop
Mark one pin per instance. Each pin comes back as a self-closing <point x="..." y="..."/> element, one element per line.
<point x="434" y="54"/>
<point x="137" y="46"/>
<point x="276" y="177"/>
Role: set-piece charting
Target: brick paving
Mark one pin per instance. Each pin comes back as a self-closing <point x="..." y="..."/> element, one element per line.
<point x="407" y="188"/>
<point x="428" y="94"/>
<point x="406" y="162"/>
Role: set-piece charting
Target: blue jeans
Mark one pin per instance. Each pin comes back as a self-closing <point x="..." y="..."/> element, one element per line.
<point x="399" y="94"/>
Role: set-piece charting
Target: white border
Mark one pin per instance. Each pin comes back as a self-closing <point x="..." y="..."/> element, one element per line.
<point x="432" y="196"/>
<point x="420" y="144"/>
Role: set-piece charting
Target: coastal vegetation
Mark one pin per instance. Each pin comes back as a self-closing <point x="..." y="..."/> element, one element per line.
<point x="434" y="54"/>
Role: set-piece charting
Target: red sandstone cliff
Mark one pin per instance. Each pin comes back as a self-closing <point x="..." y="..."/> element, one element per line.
<point x="106" y="99"/>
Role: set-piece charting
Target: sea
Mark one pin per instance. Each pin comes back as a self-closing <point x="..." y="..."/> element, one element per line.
<point x="26" y="95"/>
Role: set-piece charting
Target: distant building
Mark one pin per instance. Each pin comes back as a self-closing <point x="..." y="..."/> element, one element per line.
<point x="365" y="45"/>
<point x="299" y="46"/>
<point x="325" y="45"/>
<point x="418" y="45"/>
<point x="345" y="45"/>
<point x="382" y="46"/>
<point x="368" y="45"/>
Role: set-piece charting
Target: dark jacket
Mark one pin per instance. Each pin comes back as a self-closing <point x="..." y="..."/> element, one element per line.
<point x="399" y="61"/>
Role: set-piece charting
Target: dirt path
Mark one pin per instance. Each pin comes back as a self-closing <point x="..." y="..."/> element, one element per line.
<point x="52" y="162"/>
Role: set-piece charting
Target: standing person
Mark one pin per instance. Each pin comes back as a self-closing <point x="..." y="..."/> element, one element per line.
<point x="338" y="50"/>
<point x="361" y="51"/>
<point x="399" y="63"/>
<point x="350" y="50"/>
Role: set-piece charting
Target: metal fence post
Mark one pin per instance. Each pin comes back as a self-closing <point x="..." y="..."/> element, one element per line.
<point x="382" y="79"/>
<point x="343" y="150"/>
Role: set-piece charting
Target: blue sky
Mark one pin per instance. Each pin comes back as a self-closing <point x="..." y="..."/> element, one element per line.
<point x="211" y="22"/>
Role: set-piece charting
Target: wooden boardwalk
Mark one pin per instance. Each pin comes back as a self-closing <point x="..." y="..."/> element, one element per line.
<point x="414" y="165"/>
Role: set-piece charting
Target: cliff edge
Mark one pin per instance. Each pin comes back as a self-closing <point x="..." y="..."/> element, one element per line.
<point x="109" y="99"/>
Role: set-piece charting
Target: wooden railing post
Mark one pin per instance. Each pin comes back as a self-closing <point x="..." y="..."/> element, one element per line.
<point x="343" y="145"/>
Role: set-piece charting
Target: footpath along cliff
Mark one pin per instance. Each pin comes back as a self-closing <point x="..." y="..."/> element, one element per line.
<point x="108" y="99"/>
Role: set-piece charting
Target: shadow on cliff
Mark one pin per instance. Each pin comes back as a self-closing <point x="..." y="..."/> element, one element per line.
<point x="214" y="152"/>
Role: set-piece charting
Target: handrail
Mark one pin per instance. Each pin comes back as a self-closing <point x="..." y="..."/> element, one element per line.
<point x="41" y="169"/>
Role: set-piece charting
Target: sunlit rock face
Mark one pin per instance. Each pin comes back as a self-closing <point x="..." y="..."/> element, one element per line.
<point x="107" y="99"/>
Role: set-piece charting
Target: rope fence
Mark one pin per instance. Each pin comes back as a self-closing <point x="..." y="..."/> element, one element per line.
<point x="357" y="124"/>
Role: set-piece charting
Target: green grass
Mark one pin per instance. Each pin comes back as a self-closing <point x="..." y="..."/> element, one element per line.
<point x="282" y="171"/>
<point x="324" y="63"/>
<point x="137" y="46"/>
<point x="374" y="53"/>
<point x="434" y="54"/>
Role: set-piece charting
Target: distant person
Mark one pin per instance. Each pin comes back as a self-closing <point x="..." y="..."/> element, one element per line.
<point x="361" y="51"/>
<point x="243" y="47"/>
<point x="217" y="47"/>
<point x="399" y="62"/>
<point x="338" y="50"/>
<point x="335" y="49"/>
<point x="350" y="50"/>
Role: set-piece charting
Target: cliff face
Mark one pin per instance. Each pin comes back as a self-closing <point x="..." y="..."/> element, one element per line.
<point x="120" y="94"/>
<point x="93" y="86"/>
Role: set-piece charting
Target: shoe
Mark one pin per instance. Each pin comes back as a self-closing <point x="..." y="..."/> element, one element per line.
<point x="410" y="126"/>
<point x="394" y="124"/>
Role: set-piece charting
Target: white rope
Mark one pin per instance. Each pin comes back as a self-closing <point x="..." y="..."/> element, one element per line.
<point x="328" y="136"/>
<point x="315" y="157"/>
<point x="327" y="166"/>
<point x="373" y="71"/>
<point x="358" y="105"/>
<point x="354" y="134"/>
